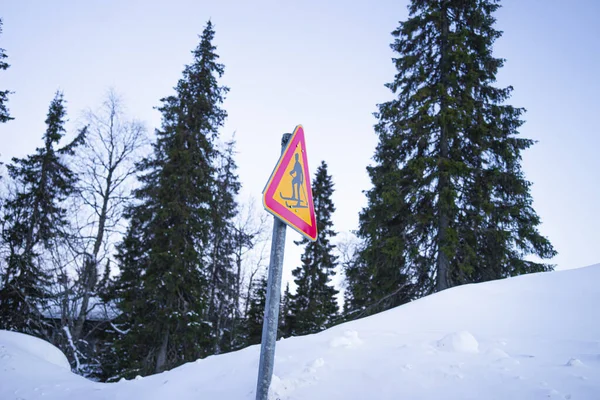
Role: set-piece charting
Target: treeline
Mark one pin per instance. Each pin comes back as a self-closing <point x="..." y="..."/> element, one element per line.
<point x="134" y="261"/>
<point x="135" y="257"/>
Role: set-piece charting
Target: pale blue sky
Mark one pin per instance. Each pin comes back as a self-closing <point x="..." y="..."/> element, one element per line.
<point x="321" y="64"/>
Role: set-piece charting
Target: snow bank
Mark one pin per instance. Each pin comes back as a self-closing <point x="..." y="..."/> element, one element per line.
<point x="31" y="346"/>
<point x="524" y="338"/>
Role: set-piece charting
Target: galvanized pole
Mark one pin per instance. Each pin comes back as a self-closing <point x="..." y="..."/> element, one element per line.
<point x="271" y="318"/>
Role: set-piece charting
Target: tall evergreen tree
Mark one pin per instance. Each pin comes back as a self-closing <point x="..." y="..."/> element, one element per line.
<point x="377" y="275"/>
<point x="34" y="219"/>
<point x="256" y="311"/>
<point x="163" y="290"/>
<point x="314" y="305"/>
<point x="449" y="203"/>
<point x="286" y="319"/>
<point x="4" y="114"/>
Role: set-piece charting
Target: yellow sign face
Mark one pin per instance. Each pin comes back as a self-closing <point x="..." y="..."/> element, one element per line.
<point x="288" y="195"/>
<point x="292" y="191"/>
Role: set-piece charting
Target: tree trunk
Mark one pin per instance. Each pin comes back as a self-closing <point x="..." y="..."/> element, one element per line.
<point x="161" y="358"/>
<point x="443" y="179"/>
<point x="91" y="269"/>
<point x="89" y="277"/>
<point x="238" y="292"/>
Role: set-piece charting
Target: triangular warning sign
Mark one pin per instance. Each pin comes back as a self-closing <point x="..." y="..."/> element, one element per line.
<point x="288" y="194"/>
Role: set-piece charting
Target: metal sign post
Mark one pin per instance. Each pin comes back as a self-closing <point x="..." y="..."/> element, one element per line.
<point x="288" y="196"/>
<point x="271" y="317"/>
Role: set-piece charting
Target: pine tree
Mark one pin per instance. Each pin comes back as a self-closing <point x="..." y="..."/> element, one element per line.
<point x="314" y="305"/>
<point x="4" y="114"/>
<point x="163" y="290"/>
<point x="449" y="203"/>
<point x="34" y="219"/>
<point x="256" y="311"/>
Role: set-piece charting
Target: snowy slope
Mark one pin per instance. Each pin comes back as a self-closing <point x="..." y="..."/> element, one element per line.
<point x="530" y="337"/>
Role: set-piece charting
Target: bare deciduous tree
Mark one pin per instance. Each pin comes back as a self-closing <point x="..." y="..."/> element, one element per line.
<point x="106" y="169"/>
<point x="249" y="255"/>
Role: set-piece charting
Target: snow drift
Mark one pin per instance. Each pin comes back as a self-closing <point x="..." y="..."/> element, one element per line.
<point x="530" y="337"/>
<point x="28" y="347"/>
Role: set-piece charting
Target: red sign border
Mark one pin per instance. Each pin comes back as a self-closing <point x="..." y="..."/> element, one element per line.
<point x="281" y="211"/>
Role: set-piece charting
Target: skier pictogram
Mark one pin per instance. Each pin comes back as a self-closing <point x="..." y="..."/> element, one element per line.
<point x="298" y="190"/>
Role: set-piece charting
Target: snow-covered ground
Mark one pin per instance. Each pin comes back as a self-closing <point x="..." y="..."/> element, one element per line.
<point x="530" y="337"/>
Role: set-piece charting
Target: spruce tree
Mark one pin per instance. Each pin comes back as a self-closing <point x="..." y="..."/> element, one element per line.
<point x="286" y="319"/>
<point x="377" y="276"/>
<point x="4" y="114"/>
<point x="34" y="220"/>
<point x="314" y="305"/>
<point x="449" y="203"/>
<point x="256" y="311"/>
<point x="163" y="290"/>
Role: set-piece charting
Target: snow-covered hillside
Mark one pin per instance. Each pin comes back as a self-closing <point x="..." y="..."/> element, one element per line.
<point x="531" y="337"/>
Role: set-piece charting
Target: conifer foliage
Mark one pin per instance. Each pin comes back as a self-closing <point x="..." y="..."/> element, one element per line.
<point x="286" y="319"/>
<point x="163" y="290"/>
<point x="256" y="311"/>
<point x="4" y="114"/>
<point x="314" y="304"/>
<point x="34" y="221"/>
<point x="449" y="203"/>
